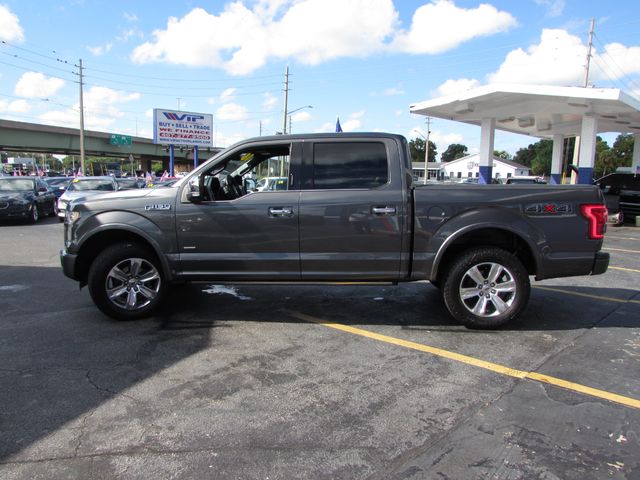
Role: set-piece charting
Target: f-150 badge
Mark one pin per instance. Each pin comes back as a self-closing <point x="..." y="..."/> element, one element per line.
<point x="158" y="206"/>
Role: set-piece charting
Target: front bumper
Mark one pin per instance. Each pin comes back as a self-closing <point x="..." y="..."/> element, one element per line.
<point x="68" y="262"/>
<point x="601" y="263"/>
<point x="15" y="210"/>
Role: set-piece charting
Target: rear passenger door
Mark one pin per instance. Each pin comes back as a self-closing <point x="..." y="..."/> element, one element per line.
<point x="352" y="213"/>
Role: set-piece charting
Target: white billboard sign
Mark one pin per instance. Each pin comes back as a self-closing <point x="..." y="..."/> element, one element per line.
<point x="171" y="127"/>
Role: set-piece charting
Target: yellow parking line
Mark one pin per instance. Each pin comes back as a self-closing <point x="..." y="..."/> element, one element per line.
<point x="624" y="269"/>
<point x="476" y="362"/>
<point x="621" y="250"/>
<point x="587" y="295"/>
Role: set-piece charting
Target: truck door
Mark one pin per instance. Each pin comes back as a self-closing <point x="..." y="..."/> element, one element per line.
<point x="246" y="225"/>
<point x="352" y="210"/>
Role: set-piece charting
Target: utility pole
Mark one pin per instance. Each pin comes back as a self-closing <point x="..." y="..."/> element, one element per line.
<point x="585" y="84"/>
<point x="286" y="100"/>
<point x="588" y="64"/>
<point x="426" y="151"/>
<point x="81" y="122"/>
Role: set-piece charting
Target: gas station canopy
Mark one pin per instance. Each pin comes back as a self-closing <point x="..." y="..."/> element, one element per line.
<point x="543" y="111"/>
<point x="538" y="110"/>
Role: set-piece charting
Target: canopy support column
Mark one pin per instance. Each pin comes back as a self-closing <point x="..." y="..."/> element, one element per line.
<point x="587" y="157"/>
<point x="487" y="135"/>
<point x="635" y="163"/>
<point x="556" y="159"/>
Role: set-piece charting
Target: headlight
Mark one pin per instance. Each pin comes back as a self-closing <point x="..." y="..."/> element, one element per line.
<point x="72" y="216"/>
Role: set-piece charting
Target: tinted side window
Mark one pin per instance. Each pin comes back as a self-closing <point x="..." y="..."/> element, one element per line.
<point x="349" y="165"/>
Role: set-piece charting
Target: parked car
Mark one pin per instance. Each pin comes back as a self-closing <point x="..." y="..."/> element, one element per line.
<point x="85" y="187"/>
<point x="58" y="184"/>
<point x="622" y="194"/>
<point x="270" y="184"/>
<point x="525" y="179"/>
<point x="129" y="183"/>
<point x="26" y="197"/>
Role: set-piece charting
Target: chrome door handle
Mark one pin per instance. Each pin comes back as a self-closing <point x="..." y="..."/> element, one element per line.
<point x="384" y="210"/>
<point x="280" y="212"/>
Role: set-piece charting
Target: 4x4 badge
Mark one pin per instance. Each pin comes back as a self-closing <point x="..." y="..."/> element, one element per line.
<point x="158" y="206"/>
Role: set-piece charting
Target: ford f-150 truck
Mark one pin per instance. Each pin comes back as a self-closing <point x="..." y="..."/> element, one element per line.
<point x="346" y="209"/>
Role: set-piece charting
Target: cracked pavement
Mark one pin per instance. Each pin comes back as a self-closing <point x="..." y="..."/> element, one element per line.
<point x="221" y="386"/>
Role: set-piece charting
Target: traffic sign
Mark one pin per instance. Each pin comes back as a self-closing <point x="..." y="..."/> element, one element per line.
<point x="116" y="139"/>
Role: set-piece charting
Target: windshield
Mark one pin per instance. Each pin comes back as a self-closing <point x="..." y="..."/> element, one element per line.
<point x="16" y="184"/>
<point x="91" y="184"/>
<point x="54" y="182"/>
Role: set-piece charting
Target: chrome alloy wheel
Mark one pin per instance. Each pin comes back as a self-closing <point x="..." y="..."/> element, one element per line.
<point x="132" y="283"/>
<point x="487" y="289"/>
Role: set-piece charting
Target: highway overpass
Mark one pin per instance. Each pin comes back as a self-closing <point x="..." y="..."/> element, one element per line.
<point x="36" y="138"/>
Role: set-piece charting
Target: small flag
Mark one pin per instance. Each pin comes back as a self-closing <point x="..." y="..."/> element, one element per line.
<point x="338" y="126"/>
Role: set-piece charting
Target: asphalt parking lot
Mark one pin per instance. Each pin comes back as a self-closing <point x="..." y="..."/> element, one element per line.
<point x="301" y="382"/>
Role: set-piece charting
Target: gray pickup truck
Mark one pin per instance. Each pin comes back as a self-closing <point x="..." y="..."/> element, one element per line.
<point x="344" y="208"/>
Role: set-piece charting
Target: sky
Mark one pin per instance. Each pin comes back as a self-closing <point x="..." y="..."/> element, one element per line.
<point x="362" y="61"/>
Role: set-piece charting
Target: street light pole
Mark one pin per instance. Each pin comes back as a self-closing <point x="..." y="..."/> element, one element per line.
<point x="426" y="148"/>
<point x="296" y="110"/>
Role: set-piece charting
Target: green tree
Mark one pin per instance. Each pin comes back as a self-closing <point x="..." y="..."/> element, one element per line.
<point x="609" y="159"/>
<point x="502" y="154"/>
<point x="417" y="146"/>
<point x="525" y="156"/>
<point x="453" y="152"/>
<point x="536" y="156"/>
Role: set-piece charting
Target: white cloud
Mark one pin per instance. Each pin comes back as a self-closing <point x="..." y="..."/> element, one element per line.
<point x="451" y="86"/>
<point x="101" y="109"/>
<point x="558" y="59"/>
<point x="36" y="85"/>
<point x="269" y="101"/>
<point x="130" y="17"/>
<point x="301" y="117"/>
<point x="231" y="112"/>
<point x="10" y="29"/>
<point x="615" y="62"/>
<point x="16" y="106"/>
<point x="244" y="36"/>
<point x="392" y="92"/>
<point x="227" y="95"/>
<point x="352" y="123"/>
<point x="441" y="25"/>
<point x="241" y="40"/>
<point x="554" y="7"/>
<point x="100" y="50"/>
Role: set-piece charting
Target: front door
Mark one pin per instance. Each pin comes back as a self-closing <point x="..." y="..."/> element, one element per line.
<point x="243" y="233"/>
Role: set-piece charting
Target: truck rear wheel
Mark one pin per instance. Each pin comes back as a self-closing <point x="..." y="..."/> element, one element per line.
<point x="486" y="287"/>
<point x="126" y="281"/>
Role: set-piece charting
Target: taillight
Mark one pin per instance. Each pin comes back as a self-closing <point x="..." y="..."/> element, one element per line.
<point x="596" y="214"/>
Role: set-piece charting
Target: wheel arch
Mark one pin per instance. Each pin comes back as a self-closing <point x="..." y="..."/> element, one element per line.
<point x="487" y="236"/>
<point x="104" y="238"/>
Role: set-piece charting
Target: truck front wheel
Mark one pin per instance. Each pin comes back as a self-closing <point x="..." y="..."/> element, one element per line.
<point x="486" y="287"/>
<point x="126" y="281"/>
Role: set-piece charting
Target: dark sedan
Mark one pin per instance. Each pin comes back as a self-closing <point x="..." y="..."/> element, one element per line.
<point x="58" y="184"/>
<point x="26" y="197"/>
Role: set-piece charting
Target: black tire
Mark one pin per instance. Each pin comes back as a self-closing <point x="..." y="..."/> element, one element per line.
<point x="126" y="281"/>
<point x="486" y="287"/>
<point x="34" y="216"/>
<point x="54" y="209"/>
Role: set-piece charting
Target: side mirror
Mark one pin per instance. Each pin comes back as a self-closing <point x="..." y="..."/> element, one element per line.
<point x="194" y="194"/>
